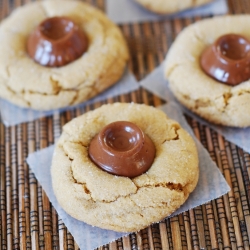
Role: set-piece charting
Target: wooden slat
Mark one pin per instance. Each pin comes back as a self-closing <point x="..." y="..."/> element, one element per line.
<point x="21" y="186"/>
<point x="3" y="226"/>
<point x="34" y="226"/>
<point x="8" y="176"/>
<point x="176" y="233"/>
<point x="163" y="233"/>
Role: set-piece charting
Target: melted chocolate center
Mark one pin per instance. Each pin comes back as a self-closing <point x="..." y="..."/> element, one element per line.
<point x="121" y="137"/>
<point x="228" y="59"/>
<point x="56" y="42"/>
<point x="56" y="28"/>
<point x="121" y="148"/>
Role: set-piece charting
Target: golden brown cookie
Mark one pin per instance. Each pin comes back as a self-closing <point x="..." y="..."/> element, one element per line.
<point x="170" y="6"/>
<point x="28" y="84"/>
<point x="101" y="199"/>
<point x="217" y="102"/>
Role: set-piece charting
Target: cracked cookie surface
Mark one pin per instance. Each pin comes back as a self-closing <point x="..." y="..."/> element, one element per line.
<point x="170" y="6"/>
<point x="98" y="198"/>
<point x="217" y="102"/>
<point x="28" y="84"/>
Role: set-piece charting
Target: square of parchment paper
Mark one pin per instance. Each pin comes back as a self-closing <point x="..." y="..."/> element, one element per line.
<point x="211" y="185"/>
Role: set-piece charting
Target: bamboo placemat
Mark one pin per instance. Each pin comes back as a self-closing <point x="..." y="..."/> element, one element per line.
<point x="27" y="219"/>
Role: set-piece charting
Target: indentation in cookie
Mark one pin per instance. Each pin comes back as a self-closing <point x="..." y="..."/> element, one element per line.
<point x="227" y="97"/>
<point x="175" y="127"/>
<point x="171" y="186"/>
<point x="198" y="37"/>
<point x="174" y="133"/>
<point x="7" y="68"/>
<point x="56" y="85"/>
<point x="83" y="186"/>
<point x="86" y="190"/>
<point x="206" y="103"/>
<point x="171" y="69"/>
<point x="72" y="102"/>
<point x="17" y="94"/>
<point x="242" y="92"/>
<point x="201" y="103"/>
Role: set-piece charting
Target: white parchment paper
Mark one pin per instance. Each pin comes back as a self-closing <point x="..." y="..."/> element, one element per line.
<point x="211" y="185"/>
<point x="156" y="84"/>
<point x="12" y="114"/>
<point x="127" y="11"/>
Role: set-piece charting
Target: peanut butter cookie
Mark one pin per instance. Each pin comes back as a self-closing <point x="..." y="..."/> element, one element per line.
<point x="28" y="83"/>
<point x="170" y="6"/>
<point x="225" y="103"/>
<point x="99" y="198"/>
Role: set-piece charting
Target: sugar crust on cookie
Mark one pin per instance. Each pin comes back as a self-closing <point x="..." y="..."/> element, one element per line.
<point x="107" y="201"/>
<point x="170" y="6"/>
<point x="28" y="84"/>
<point x="218" y="103"/>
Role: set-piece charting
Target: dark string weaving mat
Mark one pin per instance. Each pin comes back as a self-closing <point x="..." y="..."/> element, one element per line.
<point x="28" y="220"/>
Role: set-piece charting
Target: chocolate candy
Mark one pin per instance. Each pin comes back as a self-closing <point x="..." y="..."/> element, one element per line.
<point x="228" y="59"/>
<point x="57" y="41"/>
<point x="121" y="148"/>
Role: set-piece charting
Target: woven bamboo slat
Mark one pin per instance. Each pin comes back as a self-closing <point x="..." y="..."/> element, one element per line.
<point x="29" y="221"/>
